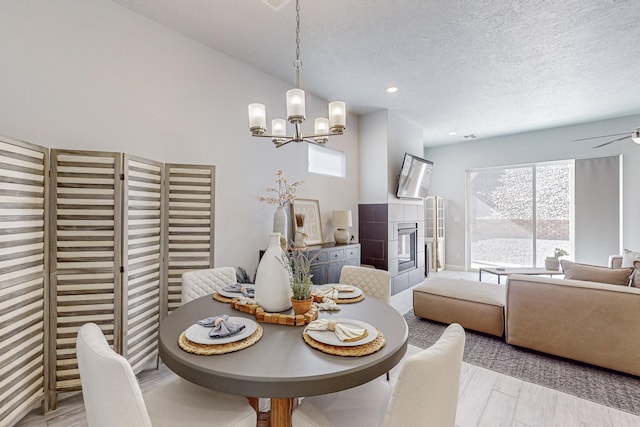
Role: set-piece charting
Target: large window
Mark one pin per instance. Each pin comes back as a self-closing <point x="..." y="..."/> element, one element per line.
<point x="519" y="214"/>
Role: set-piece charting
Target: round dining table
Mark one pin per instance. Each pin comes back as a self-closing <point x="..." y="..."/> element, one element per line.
<point x="281" y="366"/>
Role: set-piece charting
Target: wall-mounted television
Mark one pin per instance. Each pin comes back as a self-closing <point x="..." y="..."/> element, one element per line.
<point x="415" y="177"/>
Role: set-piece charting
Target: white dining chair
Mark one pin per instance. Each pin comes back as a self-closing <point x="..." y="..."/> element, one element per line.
<point x="373" y="282"/>
<point x="112" y="396"/>
<point x="425" y="394"/>
<point x="198" y="283"/>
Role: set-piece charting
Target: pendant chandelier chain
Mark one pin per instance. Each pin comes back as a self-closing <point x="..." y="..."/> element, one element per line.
<point x="323" y="127"/>
<point x="297" y="63"/>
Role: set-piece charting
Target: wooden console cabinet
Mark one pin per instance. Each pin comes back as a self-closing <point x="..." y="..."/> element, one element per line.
<point x="328" y="259"/>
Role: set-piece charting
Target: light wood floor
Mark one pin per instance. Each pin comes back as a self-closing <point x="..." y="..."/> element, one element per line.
<point x="487" y="398"/>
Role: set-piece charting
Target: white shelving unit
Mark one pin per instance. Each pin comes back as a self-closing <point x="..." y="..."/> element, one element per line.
<point x="434" y="231"/>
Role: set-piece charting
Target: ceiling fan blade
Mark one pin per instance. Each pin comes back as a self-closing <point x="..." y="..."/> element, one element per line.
<point x="611" y="142"/>
<point x="601" y="136"/>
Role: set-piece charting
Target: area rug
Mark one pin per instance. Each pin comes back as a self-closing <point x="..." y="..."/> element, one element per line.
<point x="598" y="385"/>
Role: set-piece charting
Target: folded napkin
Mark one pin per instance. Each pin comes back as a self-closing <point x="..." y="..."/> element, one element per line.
<point x="343" y="332"/>
<point x="221" y="326"/>
<point x="333" y="291"/>
<point x="240" y="289"/>
<point x="327" y="304"/>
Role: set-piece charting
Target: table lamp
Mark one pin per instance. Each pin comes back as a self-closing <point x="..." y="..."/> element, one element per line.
<point x="341" y="220"/>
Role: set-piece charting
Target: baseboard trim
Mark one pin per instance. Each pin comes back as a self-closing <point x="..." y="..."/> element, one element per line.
<point x="455" y="267"/>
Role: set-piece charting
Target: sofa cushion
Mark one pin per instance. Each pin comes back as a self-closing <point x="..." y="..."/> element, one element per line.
<point x="635" y="277"/>
<point x="632" y="259"/>
<point x="474" y="305"/>
<point x="594" y="273"/>
<point x="629" y="257"/>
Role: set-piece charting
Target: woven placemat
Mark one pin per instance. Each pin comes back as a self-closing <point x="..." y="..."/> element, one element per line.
<point x="359" y="350"/>
<point x="222" y="298"/>
<point x="318" y="298"/>
<point x="208" y="350"/>
<point x="349" y="300"/>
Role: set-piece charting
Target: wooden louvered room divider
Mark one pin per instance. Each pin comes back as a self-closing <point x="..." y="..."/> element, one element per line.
<point x="90" y="236"/>
<point x="142" y="259"/>
<point x="85" y="233"/>
<point x="23" y="276"/>
<point x="189" y="211"/>
<point x="112" y="249"/>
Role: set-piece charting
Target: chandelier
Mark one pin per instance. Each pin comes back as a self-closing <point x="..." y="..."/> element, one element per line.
<point x="323" y="127"/>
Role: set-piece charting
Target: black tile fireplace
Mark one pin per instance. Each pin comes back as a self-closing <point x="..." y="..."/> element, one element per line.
<point x="391" y="238"/>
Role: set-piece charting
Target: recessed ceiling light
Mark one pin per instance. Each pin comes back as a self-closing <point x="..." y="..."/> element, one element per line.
<point x="392" y="89"/>
<point x="452" y="133"/>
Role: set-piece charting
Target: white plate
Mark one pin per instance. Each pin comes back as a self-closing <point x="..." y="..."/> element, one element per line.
<point x="329" y="337"/>
<point x="341" y="295"/>
<point x="200" y="334"/>
<point x="235" y="294"/>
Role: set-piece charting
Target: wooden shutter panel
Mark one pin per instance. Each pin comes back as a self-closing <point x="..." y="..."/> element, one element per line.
<point x="86" y="194"/>
<point x="189" y="212"/>
<point x="23" y="268"/>
<point x="142" y="259"/>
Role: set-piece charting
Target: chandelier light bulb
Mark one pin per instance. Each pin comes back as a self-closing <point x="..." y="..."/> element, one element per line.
<point x="295" y="105"/>
<point x="279" y="127"/>
<point x="321" y="127"/>
<point x="257" y="118"/>
<point x="337" y="116"/>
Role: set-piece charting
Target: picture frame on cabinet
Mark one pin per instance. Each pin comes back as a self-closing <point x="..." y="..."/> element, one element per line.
<point x="312" y="221"/>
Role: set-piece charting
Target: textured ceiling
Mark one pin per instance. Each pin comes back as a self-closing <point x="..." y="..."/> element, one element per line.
<point x="483" y="67"/>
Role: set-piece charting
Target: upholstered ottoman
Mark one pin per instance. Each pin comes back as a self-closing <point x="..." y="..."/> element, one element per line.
<point x="474" y="305"/>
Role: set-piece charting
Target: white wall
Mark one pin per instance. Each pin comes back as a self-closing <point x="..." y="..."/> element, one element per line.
<point x="452" y="161"/>
<point x="385" y="137"/>
<point x="91" y="75"/>
<point x="404" y="137"/>
<point x="373" y="157"/>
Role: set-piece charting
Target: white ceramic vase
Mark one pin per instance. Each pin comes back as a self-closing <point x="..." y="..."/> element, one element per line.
<point x="280" y="224"/>
<point x="273" y="292"/>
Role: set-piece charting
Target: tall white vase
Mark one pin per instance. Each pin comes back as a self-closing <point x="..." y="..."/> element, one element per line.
<point x="281" y="225"/>
<point x="273" y="291"/>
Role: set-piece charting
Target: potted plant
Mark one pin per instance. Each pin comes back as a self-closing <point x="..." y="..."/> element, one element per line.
<point x="553" y="262"/>
<point x="299" y="267"/>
